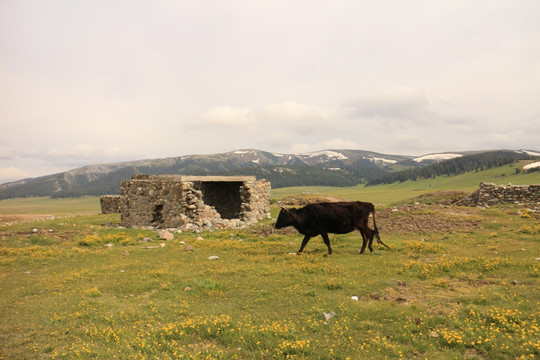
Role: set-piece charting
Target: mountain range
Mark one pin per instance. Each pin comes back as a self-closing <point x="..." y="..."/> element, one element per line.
<point x="327" y="167"/>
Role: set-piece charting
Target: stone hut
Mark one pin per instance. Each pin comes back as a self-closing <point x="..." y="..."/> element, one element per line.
<point x="190" y="202"/>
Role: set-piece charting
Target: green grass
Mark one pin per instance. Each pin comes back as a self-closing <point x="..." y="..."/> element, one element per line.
<point x="462" y="284"/>
<point x="75" y="289"/>
<point x="47" y="206"/>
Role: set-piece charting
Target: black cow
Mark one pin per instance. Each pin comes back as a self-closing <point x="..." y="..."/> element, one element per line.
<point x="336" y="218"/>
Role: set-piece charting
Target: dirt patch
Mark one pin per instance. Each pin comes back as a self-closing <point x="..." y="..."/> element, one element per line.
<point x="265" y="230"/>
<point x="447" y="197"/>
<point x="428" y="218"/>
<point x="309" y="198"/>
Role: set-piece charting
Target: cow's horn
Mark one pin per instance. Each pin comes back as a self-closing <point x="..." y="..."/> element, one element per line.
<point x="283" y="207"/>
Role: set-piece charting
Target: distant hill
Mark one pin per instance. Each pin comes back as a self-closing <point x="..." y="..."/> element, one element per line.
<point x="455" y="166"/>
<point x="328" y="167"/>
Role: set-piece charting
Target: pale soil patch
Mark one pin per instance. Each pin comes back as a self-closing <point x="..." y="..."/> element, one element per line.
<point x="18" y="218"/>
<point x="429" y="218"/>
<point x="304" y="199"/>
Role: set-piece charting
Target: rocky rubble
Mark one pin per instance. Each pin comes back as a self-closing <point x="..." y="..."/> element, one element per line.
<point x="490" y="194"/>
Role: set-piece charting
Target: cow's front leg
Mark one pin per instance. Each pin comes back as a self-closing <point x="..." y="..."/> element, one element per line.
<point x="304" y="243"/>
<point x="327" y="242"/>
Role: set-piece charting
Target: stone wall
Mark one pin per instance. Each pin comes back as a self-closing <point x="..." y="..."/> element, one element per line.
<point x="490" y="194"/>
<point x="255" y="197"/>
<point x="110" y="204"/>
<point x="193" y="202"/>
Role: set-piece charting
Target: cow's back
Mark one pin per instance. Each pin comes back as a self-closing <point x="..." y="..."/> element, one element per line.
<point x="337" y="217"/>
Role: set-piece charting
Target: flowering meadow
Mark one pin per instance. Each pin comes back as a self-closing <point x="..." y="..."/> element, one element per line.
<point x="463" y="284"/>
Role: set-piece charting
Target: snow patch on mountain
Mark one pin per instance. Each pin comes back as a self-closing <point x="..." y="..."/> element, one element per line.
<point x="532" y="153"/>
<point x="330" y="154"/>
<point x="245" y="152"/>
<point x="437" y="157"/>
<point x="532" y="166"/>
<point x="378" y="160"/>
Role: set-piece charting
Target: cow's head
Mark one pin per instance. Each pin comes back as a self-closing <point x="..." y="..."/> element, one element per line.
<point x="284" y="219"/>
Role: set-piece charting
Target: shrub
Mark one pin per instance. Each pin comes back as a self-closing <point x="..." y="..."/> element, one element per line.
<point x="120" y="238"/>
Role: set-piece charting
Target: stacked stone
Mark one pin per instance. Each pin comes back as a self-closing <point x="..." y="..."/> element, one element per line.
<point x="196" y="213"/>
<point x="144" y="203"/>
<point x="110" y="204"/>
<point x="255" y="197"/>
<point x="177" y="202"/>
<point x="490" y="194"/>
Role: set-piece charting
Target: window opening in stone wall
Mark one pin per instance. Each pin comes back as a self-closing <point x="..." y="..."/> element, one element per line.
<point x="224" y="197"/>
<point x="157" y="214"/>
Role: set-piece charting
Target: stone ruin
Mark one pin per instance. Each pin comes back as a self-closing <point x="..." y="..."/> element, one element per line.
<point x="110" y="204"/>
<point x="490" y="194"/>
<point x="190" y="202"/>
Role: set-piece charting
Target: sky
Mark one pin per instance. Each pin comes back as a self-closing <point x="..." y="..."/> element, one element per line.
<point x="101" y="81"/>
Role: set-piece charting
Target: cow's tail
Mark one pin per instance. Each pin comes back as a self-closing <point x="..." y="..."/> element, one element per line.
<point x="377" y="230"/>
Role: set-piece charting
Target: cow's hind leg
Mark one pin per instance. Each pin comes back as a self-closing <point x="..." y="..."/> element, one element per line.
<point x="370" y="237"/>
<point x="304" y="243"/>
<point x="364" y="241"/>
<point x="361" y="226"/>
<point x="327" y="242"/>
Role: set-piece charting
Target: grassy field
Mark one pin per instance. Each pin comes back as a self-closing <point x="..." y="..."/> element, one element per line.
<point x="48" y="206"/>
<point x="458" y="283"/>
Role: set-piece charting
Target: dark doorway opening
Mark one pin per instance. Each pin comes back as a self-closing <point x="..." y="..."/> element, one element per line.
<point x="224" y="197"/>
<point x="157" y="214"/>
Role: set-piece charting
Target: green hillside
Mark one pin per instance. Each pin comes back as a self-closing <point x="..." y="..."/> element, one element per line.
<point x="343" y="168"/>
<point x="379" y="194"/>
<point x="387" y="194"/>
<point x="452" y="167"/>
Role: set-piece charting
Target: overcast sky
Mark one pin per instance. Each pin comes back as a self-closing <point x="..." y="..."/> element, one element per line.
<point x="86" y="82"/>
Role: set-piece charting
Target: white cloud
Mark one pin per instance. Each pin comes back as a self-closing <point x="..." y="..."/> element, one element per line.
<point x="294" y="115"/>
<point x="338" y="144"/>
<point x="11" y="173"/>
<point x="71" y="156"/>
<point x="6" y="152"/>
<point x="398" y="106"/>
<point x="335" y="144"/>
<point x="225" y="116"/>
<point x="414" y="143"/>
<point x="289" y="115"/>
<point x="199" y="78"/>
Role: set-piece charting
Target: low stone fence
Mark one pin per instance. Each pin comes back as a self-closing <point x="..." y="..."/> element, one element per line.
<point x="490" y="194"/>
<point x="110" y="204"/>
